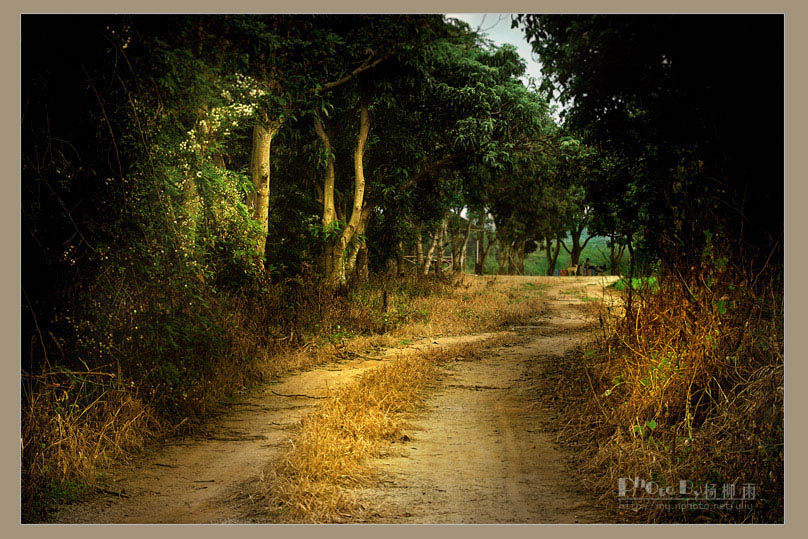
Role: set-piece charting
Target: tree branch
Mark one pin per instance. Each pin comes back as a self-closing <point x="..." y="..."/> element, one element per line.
<point x="429" y="169"/>
<point x="368" y="63"/>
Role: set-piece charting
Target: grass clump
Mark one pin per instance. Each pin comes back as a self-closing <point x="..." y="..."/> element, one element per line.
<point x="313" y="481"/>
<point x="686" y="384"/>
<point x="74" y="426"/>
<point x="637" y="283"/>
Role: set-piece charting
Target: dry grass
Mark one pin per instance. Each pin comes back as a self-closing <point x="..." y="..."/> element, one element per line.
<point x="67" y="440"/>
<point x="74" y="425"/>
<point x="687" y="384"/>
<point x="313" y="481"/>
<point x="473" y="305"/>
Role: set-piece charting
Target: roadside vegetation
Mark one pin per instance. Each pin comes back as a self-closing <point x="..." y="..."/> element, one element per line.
<point x="685" y="383"/>
<point x="648" y="284"/>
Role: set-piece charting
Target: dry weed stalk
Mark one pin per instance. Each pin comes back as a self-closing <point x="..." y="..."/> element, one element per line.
<point x="686" y="384"/>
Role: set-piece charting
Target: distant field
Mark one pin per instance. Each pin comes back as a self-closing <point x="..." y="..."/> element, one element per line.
<point x="596" y="250"/>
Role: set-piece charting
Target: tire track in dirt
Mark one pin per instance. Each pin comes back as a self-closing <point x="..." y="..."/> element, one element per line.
<point x="480" y="454"/>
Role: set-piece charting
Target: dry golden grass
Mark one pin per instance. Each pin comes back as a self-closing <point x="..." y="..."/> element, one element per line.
<point x="74" y="425"/>
<point x="66" y="440"/>
<point x="312" y="482"/>
<point x="476" y="304"/>
<point x="687" y="384"/>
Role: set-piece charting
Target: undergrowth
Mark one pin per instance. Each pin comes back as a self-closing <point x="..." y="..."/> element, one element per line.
<point x="685" y="384"/>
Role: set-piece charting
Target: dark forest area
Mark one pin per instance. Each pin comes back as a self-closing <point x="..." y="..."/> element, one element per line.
<point x="206" y="197"/>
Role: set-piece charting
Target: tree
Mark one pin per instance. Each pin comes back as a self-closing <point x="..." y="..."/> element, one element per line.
<point x="679" y="110"/>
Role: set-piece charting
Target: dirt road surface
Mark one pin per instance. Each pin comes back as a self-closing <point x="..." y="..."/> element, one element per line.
<point x="480" y="455"/>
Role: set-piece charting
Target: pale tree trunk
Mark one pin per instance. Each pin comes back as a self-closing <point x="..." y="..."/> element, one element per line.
<point x="263" y="132"/>
<point x="453" y="233"/>
<point x="419" y="249"/>
<point x="400" y="258"/>
<point x="191" y="200"/>
<point x="329" y="219"/>
<point x="455" y="239"/>
<point x="511" y="262"/>
<point x="479" y="267"/>
<point x="465" y="246"/>
<point x="441" y="247"/>
<point x="335" y="263"/>
<point x="430" y="253"/>
<point x="358" y="245"/>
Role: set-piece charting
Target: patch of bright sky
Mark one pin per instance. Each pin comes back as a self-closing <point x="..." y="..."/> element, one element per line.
<point x="497" y="28"/>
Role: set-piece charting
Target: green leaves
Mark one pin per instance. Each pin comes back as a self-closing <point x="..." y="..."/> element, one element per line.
<point x="644" y="429"/>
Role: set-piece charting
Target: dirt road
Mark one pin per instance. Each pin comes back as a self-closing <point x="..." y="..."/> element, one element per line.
<point x="481" y="455"/>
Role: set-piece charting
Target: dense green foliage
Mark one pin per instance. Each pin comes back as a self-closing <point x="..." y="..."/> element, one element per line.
<point x="685" y="146"/>
<point x="140" y="173"/>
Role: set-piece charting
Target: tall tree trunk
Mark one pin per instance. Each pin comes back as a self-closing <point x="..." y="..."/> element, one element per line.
<point x="480" y="267"/>
<point x="441" y="246"/>
<point x="459" y="242"/>
<point x="400" y="258"/>
<point x="504" y="255"/>
<point x="454" y="247"/>
<point x="361" y="271"/>
<point x="465" y="246"/>
<point x="263" y="132"/>
<point x="511" y="263"/>
<point x="334" y="263"/>
<point x="329" y="219"/>
<point x="430" y="253"/>
<point x="358" y="244"/>
<point x="520" y="257"/>
<point x="575" y="252"/>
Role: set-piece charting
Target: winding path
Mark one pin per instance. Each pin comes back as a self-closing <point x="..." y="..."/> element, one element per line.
<point x="481" y="455"/>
